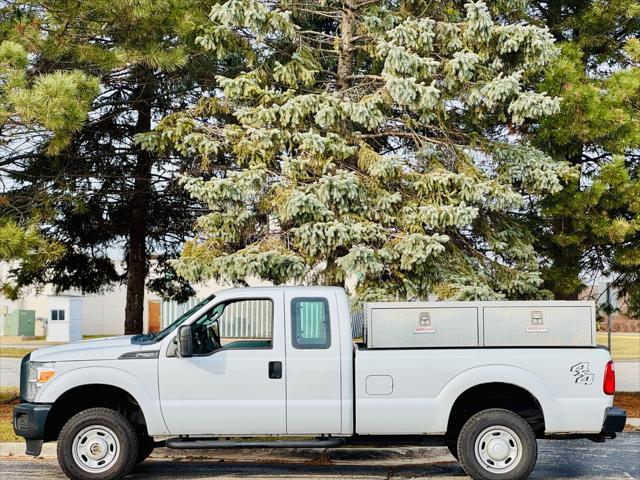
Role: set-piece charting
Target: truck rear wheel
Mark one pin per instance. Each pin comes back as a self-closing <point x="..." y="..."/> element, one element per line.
<point x="497" y="444"/>
<point x="97" y="443"/>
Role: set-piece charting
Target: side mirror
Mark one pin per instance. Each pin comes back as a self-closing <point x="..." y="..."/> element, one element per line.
<point x="185" y="341"/>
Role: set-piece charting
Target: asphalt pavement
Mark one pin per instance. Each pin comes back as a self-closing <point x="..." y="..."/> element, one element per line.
<point x="9" y="372"/>
<point x="574" y="459"/>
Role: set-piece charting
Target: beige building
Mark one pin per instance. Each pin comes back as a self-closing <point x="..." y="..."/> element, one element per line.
<point x="100" y="314"/>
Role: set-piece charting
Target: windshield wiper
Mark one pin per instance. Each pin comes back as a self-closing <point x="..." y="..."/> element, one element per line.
<point x="143" y="337"/>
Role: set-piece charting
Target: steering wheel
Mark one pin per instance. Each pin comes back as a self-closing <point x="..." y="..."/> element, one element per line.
<point x="198" y="342"/>
<point x="213" y="334"/>
<point x="206" y="332"/>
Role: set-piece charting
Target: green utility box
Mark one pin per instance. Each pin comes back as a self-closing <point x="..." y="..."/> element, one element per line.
<point x="20" y="323"/>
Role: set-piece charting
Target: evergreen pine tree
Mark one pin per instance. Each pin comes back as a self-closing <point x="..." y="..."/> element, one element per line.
<point x="369" y="140"/>
<point x="37" y="110"/>
<point x="592" y="226"/>
<point x="98" y="73"/>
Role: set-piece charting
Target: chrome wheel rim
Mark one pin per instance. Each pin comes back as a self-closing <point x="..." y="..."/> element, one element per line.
<point x="96" y="449"/>
<point x="498" y="449"/>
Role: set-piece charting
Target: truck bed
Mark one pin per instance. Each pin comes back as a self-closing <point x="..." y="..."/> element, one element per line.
<point x="412" y="391"/>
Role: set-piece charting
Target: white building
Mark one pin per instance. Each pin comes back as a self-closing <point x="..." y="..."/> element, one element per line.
<point x="65" y="318"/>
<point x="103" y="313"/>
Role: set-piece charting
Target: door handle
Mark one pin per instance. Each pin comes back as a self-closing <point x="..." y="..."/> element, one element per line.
<point x="275" y="369"/>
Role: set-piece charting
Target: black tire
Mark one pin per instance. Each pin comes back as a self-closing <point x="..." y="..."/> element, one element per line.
<point x="146" y="444"/>
<point x="508" y="429"/>
<point x="114" y="434"/>
<point x="452" y="445"/>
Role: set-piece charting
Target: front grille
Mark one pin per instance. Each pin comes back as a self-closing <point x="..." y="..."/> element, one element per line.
<point x="24" y="377"/>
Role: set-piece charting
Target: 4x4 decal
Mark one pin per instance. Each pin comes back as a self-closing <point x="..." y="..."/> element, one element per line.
<point x="582" y="374"/>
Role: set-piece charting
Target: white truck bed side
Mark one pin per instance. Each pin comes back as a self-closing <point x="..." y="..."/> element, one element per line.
<point x="412" y="391"/>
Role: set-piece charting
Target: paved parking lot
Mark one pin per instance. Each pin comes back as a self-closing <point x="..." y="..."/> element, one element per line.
<point x="578" y="459"/>
<point x="9" y="372"/>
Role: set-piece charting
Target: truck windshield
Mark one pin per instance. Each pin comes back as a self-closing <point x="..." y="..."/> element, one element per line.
<point x="156" y="336"/>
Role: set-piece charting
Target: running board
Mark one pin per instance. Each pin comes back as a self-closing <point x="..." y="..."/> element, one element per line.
<point x="197" y="443"/>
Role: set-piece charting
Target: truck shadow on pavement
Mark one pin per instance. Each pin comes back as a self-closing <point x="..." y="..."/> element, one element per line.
<point x="194" y="469"/>
<point x="309" y="463"/>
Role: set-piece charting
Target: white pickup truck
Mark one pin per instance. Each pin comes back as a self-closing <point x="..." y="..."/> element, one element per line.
<point x="280" y="362"/>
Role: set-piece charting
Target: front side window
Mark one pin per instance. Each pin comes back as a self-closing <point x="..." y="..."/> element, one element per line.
<point x="238" y="324"/>
<point x="57" y="315"/>
<point x="310" y="323"/>
<point x="157" y="336"/>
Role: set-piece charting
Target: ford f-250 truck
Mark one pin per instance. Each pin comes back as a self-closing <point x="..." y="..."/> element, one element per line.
<point x="280" y="362"/>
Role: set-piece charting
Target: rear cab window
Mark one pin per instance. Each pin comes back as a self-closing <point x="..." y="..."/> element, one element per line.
<point x="310" y="323"/>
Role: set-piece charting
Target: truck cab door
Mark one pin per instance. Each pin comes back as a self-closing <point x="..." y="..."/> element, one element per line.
<point x="314" y="395"/>
<point x="235" y="382"/>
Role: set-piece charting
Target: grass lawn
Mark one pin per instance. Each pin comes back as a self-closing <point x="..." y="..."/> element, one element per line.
<point x="14" y="352"/>
<point x="8" y="393"/>
<point x="19" y="352"/>
<point x="624" y="346"/>
<point x="8" y="398"/>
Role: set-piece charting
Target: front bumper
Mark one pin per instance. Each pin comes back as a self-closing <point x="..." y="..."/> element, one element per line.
<point x="29" y="420"/>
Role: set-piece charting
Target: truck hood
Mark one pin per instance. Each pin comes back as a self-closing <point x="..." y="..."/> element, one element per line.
<point x="86" y="350"/>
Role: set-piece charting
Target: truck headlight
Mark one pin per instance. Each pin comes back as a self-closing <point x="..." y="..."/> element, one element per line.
<point x="39" y="374"/>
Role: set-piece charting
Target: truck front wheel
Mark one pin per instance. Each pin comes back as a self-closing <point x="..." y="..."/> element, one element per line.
<point x="497" y="444"/>
<point x="146" y="445"/>
<point x="452" y="445"/>
<point x="97" y="443"/>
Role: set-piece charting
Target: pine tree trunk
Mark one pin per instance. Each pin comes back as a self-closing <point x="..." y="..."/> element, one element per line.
<point x="345" y="56"/>
<point x="137" y="254"/>
<point x="332" y="275"/>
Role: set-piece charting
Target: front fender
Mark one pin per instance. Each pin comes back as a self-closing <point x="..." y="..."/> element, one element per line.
<point x="143" y="388"/>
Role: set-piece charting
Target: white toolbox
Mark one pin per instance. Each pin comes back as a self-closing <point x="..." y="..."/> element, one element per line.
<point x="480" y="324"/>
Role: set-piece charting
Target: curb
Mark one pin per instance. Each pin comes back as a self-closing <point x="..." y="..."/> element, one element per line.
<point x="635" y="422"/>
<point x="16" y="449"/>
